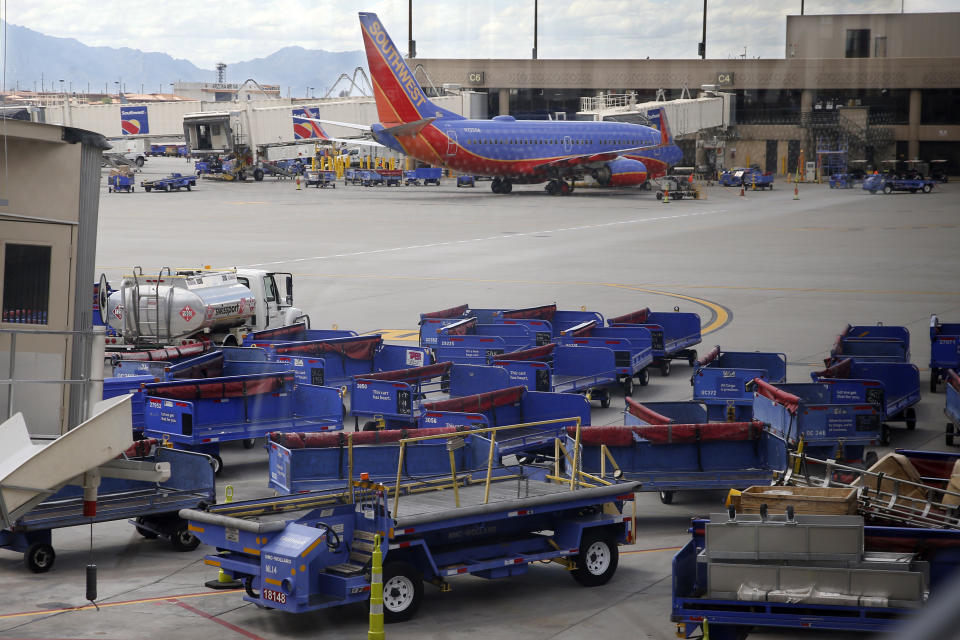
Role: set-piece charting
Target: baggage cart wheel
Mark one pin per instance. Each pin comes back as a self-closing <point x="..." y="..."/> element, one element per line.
<point x="605" y="400"/>
<point x="927" y="188"/>
<point x="666" y="497"/>
<point x="182" y="539"/>
<point x="146" y="533"/>
<point x="39" y="557"/>
<point x="910" y="417"/>
<point x="249" y="443"/>
<point x="370" y="425"/>
<point x="217" y="463"/>
<point x="934" y="380"/>
<point x="885" y="434"/>
<point x="597" y="560"/>
<point x="402" y="591"/>
<point x="643" y="377"/>
<point x="665" y="368"/>
<point x="258" y="174"/>
<point x="870" y="459"/>
<point x="949" y="434"/>
<point x="628" y="387"/>
<point x="887" y="189"/>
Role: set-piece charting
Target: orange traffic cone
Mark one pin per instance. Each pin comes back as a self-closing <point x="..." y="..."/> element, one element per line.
<point x="298" y="182"/>
<point x="741" y="190"/>
<point x="796" y="191"/>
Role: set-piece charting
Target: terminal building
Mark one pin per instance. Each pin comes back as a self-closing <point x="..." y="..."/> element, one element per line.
<point x="882" y="87"/>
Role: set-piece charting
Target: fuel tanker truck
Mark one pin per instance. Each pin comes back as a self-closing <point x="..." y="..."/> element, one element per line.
<point x="194" y="308"/>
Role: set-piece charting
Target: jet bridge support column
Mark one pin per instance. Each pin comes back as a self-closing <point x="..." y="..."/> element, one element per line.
<point x="504" y="102"/>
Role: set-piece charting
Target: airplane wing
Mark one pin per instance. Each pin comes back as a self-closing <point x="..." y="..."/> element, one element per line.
<point x="589" y="160"/>
<point x="357" y="141"/>
<point x="349" y="125"/>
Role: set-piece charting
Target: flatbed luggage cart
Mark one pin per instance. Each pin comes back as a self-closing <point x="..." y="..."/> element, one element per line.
<point x="121" y="183"/>
<point x="944" y="350"/>
<point x="672" y="333"/>
<point x="491" y="528"/>
<point x="152" y="505"/>
<point x="173" y="182"/>
<point x="671" y="446"/>
<point x="432" y="321"/>
<point x="820" y="419"/>
<point x="721" y="381"/>
<point x="469" y="342"/>
<point x="879" y="343"/>
<point x="393" y="399"/>
<point x="563" y="369"/>
<point x="547" y="321"/>
<point x="632" y="348"/>
<point x="952" y="408"/>
<point x="894" y="387"/>
<point x="198" y="415"/>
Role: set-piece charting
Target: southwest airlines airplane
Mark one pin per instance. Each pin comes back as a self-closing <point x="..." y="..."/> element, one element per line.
<point x="512" y="151"/>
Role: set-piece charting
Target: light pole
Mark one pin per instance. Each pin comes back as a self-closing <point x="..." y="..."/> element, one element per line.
<point x="309" y="92"/>
<point x="703" y="41"/>
<point x="535" y="29"/>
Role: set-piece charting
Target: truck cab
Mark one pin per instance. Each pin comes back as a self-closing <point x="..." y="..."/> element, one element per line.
<point x="273" y="291"/>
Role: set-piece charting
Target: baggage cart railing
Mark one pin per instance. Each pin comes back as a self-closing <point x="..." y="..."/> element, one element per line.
<point x="879" y="495"/>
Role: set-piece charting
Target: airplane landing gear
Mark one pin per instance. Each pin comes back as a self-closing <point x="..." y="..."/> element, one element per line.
<point x="559" y="188"/>
<point x="501" y="185"/>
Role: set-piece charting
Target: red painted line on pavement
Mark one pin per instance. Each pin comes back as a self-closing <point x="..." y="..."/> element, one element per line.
<point x="226" y="624"/>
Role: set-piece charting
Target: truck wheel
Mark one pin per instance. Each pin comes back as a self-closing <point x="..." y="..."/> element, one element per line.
<point x="910" y="417"/>
<point x="146" y="533"/>
<point x="402" y="591"/>
<point x="139" y="161"/>
<point x="182" y="539"/>
<point x="258" y="174"/>
<point x="597" y="560"/>
<point x="666" y="497"/>
<point x="249" y="443"/>
<point x="934" y="380"/>
<point x="887" y="189"/>
<point x="927" y="188"/>
<point x="870" y="459"/>
<point x="39" y="557"/>
<point x="665" y="368"/>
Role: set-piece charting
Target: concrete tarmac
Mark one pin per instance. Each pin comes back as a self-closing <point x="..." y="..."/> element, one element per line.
<point x="766" y="272"/>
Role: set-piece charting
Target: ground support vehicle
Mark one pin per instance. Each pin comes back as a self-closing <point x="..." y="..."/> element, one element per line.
<point x="896" y="555"/>
<point x="423" y="175"/>
<point x="353" y="176"/>
<point x="391" y="177"/>
<point x="395" y="399"/>
<point x="153" y="505"/>
<point x="199" y="414"/>
<point x="369" y="178"/>
<point x="876" y="343"/>
<point x="632" y="348"/>
<point x="281" y="169"/>
<point x="671" y="446"/>
<point x="677" y="187"/>
<point x="952" y="408"/>
<point x="464" y="180"/>
<point x="202" y="167"/>
<point x="469" y="342"/>
<point x="731" y="177"/>
<point x="889" y="183"/>
<point x="563" y="369"/>
<point x="190" y="307"/>
<point x="173" y="182"/>
<point x="721" y="380"/>
<point x="321" y="179"/>
<point x="819" y="419"/>
<point x="335" y="362"/>
<point x="893" y="387"/>
<point x="944" y="350"/>
<point x="671" y="333"/>
<point x="489" y="529"/>
<point x="842" y="181"/>
<point x="752" y="178"/>
<point x="120" y="182"/>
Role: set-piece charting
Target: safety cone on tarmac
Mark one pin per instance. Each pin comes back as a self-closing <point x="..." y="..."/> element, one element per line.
<point x="666" y="196"/>
<point x="741" y="190"/>
<point x="298" y="182"/>
<point x="796" y="190"/>
<point x="375" y="631"/>
<point x="225" y="580"/>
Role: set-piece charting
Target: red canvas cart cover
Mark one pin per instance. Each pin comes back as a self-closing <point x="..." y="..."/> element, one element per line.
<point x="622" y="436"/>
<point x="459" y="328"/>
<point x="538" y="354"/>
<point x="645" y="414"/>
<point x="634" y="317"/>
<point x="296" y="331"/>
<point x="409" y="375"/>
<point x="359" y="348"/>
<point x="452" y="312"/>
<point x="953" y="379"/>
<point x="838" y="344"/>
<point x="233" y="387"/>
<point x="212" y="367"/>
<point x="168" y="353"/>
<point x="789" y="401"/>
<point x="839" y="369"/>
<point x="326" y="440"/>
<point x="709" y="357"/>
<point x="546" y="312"/>
<point x="480" y="402"/>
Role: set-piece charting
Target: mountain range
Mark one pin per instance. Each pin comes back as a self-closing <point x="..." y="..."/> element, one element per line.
<point x="34" y="58"/>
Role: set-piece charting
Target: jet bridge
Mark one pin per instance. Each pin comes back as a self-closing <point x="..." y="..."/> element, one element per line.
<point x="685" y="116"/>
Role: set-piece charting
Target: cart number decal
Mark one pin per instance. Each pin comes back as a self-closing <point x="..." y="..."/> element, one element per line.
<point x="232" y="535"/>
<point x="274" y="596"/>
<point x="414" y="358"/>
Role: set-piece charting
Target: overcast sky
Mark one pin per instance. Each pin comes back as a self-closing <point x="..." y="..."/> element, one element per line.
<point x="207" y="31"/>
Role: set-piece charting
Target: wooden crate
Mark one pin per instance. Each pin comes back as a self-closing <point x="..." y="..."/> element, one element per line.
<point x="814" y="500"/>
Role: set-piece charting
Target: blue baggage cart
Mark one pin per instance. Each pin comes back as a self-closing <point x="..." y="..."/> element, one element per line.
<point x="119" y="182"/>
<point x="829" y="422"/>
<point x="890" y="182"/>
<point x="672" y="333"/>
<point x="120" y="386"/>
<point x="469" y="342"/>
<point x="563" y="369"/>
<point x="841" y="181"/>
<point x="894" y="387"/>
<point x="671" y="447"/>
<point x="153" y="505"/>
<point x="431" y="322"/>
<point x="721" y="381"/>
<point x="394" y="399"/>
<point x="952" y="408"/>
<point x="423" y="175"/>
<point x="874" y="343"/>
<point x="297" y="332"/>
<point x="173" y="182"/>
<point x="944" y="350"/>
<point x="199" y="414"/>
<point x="632" y="348"/>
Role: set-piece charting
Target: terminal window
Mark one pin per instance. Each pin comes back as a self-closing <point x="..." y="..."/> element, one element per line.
<point x="26" y="283"/>
<point x="858" y="43"/>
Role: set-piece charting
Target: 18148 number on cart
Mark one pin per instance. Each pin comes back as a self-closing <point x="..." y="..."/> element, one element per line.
<point x="274" y="596"/>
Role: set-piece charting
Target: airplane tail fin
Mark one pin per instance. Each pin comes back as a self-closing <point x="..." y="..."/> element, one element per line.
<point x="658" y="118"/>
<point x="400" y="99"/>
<point x="305" y="125"/>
